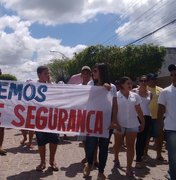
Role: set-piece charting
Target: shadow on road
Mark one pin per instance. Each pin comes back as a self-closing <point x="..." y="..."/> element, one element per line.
<point x="33" y="174"/>
<point x="73" y="169"/>
<point x="21" y="149"/>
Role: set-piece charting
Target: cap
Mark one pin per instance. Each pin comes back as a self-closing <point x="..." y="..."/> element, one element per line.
<point x="152" y="76"/>
<point x="171" y="67"/>
<point x="85" y="68"/>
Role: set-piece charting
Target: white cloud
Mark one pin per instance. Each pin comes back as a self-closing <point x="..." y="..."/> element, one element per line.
<point x="21" y="53"/>
<point x="18" y="49"/>
<point x="141" y="17"/>
<point x="146" y="18"/>
<point x="63" y="11"/>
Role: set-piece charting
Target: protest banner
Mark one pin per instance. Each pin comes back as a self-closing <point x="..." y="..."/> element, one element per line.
<point x="68" y="109"/>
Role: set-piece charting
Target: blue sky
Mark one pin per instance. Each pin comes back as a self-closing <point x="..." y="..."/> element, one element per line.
<point x="89" y="33"/>
<point x="30" y="30"/>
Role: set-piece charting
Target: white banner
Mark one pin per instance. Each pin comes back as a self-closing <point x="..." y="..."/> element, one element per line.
<point x="68" y="109"/>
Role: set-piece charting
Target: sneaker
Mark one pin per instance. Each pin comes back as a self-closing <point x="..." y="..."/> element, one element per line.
<point x="101" y="176"/>
<point x="86" y="170"/>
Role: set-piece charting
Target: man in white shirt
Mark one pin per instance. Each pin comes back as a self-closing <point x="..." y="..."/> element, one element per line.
<point x="167" y="107"/>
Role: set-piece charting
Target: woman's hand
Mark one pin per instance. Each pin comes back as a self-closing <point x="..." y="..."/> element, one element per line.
<point x="141" y="127"/>
<point x="107" y="86"/>
<point x="141" y="117"/>
<point x="115" y="126"/>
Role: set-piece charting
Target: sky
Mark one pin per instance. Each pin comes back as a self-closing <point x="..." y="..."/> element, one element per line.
<point x="34" y="32"/>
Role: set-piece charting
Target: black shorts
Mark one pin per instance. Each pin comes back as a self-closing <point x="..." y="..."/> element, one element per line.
<point x="154" y="128"/>
<point x="43" y="138"/>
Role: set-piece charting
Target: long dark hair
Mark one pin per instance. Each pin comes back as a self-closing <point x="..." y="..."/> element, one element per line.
<point x="103" y="72"/>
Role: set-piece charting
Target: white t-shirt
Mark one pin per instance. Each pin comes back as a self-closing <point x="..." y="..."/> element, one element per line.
<point x="112" y="90"/>
<point x="168" y="98"/>
<point x="145" y="102"/>
<point x="127" y="116"/>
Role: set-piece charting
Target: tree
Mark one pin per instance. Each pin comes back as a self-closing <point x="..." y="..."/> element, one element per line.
<point x="131" y="61"/>
<point x="59" y="70"/>
<point x="143" y="59"/>
<point x="8" y="77"/>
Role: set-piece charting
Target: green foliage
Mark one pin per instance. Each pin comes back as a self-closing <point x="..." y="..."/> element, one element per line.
<point x="140" y="60"/>
<point x="58" y="70"/>
<point x="131" y="61"/>
<point x="8" y="77"/>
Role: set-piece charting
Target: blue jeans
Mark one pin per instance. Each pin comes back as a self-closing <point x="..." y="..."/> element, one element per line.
<point x="91" y="145"/>
<point x="171" y="146"/>
<point x="142" y="139"/>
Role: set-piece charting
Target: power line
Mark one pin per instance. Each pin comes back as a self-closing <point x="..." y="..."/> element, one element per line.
<point x="159" y="19"/>
<point x="114" y="36"/>
<point x="149" y="34"/>
<point x="147" y="16"/>
<point x="164" y="20"/>
<point x="162" y="37"/>
<point x="118" y="20"/>
<point x="62" y="54"/>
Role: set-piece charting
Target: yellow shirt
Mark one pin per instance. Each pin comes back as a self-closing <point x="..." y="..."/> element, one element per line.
<point x="154" y="102"/>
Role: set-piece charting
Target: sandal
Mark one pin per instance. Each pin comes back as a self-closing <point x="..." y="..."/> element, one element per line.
<point x="3" y="152"/>
<point x="54" y="167"/>
<point x="160" y="158"/>
<point x="30" y="146"/>
<point x="22" y="142"/>
<point x="86" y="171"/>
<point x="40" y="167"/>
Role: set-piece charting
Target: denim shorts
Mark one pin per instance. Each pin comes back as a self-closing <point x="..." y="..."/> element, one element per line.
<point x="125" y="130"/>
<point x="43" y="138"/>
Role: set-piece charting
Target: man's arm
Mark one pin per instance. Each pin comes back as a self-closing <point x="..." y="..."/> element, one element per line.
<point x="160" y="115"/>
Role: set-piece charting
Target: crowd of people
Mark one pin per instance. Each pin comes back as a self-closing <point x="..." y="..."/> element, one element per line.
<point x="138" y="114"/>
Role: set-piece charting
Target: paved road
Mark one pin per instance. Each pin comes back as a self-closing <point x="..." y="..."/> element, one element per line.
<point x="20" y="162"/>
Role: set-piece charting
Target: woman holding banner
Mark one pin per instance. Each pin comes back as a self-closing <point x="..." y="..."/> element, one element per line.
<point x="128" y="109"/>
<point x="100" y="78"/>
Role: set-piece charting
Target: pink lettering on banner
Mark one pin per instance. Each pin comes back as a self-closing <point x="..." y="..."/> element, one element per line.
<point x="61" y="120"/>
<point x="68" y="109"/>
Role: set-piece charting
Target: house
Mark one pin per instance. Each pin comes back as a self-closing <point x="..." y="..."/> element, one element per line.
<point x="170" y="58"/>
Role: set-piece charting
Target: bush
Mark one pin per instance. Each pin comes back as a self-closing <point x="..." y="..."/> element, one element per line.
<point x="8" y="77"/>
